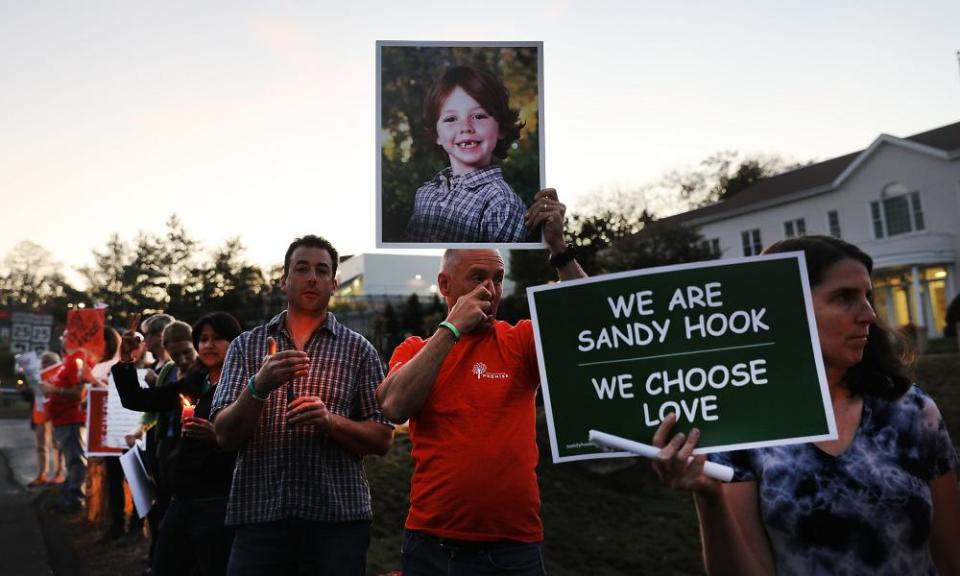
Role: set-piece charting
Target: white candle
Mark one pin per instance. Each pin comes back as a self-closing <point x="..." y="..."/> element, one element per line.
<point x="604" y="440"/>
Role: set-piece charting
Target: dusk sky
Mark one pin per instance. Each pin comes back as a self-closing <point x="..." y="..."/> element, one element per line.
<point x="258" y="119"/>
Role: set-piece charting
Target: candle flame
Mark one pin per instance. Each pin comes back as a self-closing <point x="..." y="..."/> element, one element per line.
<point x="186" y="401"/>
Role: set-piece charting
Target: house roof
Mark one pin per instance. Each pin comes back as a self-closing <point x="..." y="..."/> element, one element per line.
<point x="818" y="177"/>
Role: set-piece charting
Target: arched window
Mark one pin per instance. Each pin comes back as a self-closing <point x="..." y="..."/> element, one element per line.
<point x="897" y="212"/>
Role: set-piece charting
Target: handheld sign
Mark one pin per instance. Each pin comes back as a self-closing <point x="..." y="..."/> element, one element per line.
<point x="85" y="330"/>
<point x="108" y="422"/>
<point x="141" y="487"/>
<point x="730" y="346"/>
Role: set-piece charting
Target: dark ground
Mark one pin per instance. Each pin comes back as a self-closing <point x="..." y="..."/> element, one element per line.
<point x="619" y="522"/>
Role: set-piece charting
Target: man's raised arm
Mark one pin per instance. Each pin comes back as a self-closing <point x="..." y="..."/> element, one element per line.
<point x="403" y="391"/>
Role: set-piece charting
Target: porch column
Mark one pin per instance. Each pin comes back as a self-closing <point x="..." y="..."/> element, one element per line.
<point x="921" y="316"/>
<point x="891" y="305"/>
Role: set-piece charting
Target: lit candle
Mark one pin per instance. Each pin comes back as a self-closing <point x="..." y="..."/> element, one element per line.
<point x="271" y="347"/>
<point x="79" y="362"/>
<point x="188" y="408"/>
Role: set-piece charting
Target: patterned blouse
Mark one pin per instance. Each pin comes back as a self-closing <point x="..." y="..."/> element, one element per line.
<point x="476" y="207"/>
<point x="865" y="511"/>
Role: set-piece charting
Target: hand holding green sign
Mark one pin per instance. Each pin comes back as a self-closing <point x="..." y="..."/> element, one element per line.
<point x="730" y="347"/>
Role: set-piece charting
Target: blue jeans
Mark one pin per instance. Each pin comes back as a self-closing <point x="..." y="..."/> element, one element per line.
<point x="73" y="444"/>
<point x="425" y="555"/>
<point x="300" y="547"/>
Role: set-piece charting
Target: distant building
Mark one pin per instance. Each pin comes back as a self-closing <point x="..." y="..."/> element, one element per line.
<point x="387" y="275"/>
<point x="368" y="281"/>
<point x="394" y="276"/>
<point x="898" y="200"/>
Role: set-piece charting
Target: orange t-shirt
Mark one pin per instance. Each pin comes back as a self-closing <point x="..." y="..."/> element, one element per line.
<point x="62" y="411"/>
<point x="474" y="440"/>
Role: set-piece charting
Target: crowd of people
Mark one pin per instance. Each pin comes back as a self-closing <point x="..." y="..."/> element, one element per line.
<point x="266" y="476"/>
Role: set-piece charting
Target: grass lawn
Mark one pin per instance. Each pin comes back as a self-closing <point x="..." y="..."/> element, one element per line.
<point x="616" y="523"/>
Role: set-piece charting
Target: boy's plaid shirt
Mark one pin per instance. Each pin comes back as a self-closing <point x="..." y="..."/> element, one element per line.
<point x="476" y="207"/>
<point x="295" y="471"/>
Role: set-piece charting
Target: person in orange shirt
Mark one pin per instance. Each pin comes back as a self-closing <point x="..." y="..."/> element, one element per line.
<point x="65" y="408"/>
<point x="469" y="392"/>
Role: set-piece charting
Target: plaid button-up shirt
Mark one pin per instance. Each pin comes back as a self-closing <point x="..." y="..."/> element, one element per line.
<point x="285" y="471"/>
<point x="476" y="207"/>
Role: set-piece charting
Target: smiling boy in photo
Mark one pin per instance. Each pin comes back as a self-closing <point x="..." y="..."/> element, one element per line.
<point x="467" y="114"/>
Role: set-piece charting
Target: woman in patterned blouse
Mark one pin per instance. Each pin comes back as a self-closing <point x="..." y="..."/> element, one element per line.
<point x="881" y="499"/>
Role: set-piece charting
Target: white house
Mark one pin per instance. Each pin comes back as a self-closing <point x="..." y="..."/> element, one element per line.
<point x="898" y="200"/>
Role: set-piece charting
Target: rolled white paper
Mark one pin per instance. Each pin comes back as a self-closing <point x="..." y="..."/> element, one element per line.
<point x="604" y="440"/>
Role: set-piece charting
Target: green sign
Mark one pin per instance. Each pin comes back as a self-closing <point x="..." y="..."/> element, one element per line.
<point x="730" y="346"/>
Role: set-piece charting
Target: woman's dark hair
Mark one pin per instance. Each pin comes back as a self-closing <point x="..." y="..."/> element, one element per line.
<point x="483" y="87"/>
<point x="224" y="324"/>
<point x="883" y="371"/>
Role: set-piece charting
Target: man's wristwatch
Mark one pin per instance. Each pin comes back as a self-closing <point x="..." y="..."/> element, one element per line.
<point x="563" y="258"/>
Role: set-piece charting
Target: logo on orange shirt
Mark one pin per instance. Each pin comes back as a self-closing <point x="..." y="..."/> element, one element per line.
<point x="480" y="370"/>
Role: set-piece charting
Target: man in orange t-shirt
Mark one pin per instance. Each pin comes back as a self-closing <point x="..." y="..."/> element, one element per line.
<point x="65" y="408"/>
<point x="469" y="392"/>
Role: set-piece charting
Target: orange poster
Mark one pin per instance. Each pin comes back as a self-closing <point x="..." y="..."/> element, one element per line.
<point x="85" y="330"/>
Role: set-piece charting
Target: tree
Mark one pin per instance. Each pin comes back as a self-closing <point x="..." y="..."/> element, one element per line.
<point x="659" y="243"/>
<point x="150" y="276"/>
<point x="32" y="281"/>
<point x="608" y="240"/>
<point x="411" y="318"/>
<point x="387" y="331"/>
<point x="721" y="176"/>
<point x="167" y="273"/>
<point x="108" y="280"/>
<point x="226" y="282"/>
<point x="29" y="276"/>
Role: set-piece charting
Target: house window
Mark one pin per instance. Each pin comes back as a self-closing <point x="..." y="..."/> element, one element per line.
<point x="793" y="228"/>
<point x="833" y="223"/>
<point x="751" y="242"/>
<point x="897" y="212"/>
<point x="712" y="245"/>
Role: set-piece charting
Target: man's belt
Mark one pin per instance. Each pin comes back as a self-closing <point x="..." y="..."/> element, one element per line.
<point x="467" y="546"/>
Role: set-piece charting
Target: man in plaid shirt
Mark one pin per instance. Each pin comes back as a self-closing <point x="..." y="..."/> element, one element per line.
<point x="296" y="398"/>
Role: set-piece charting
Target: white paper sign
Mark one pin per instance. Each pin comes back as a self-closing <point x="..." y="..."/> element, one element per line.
<point x="121" y="421"/>
<point x="141" y="488"/>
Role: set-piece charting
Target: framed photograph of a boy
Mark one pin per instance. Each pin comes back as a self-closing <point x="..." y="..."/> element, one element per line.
<point x="459" y="143"/>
